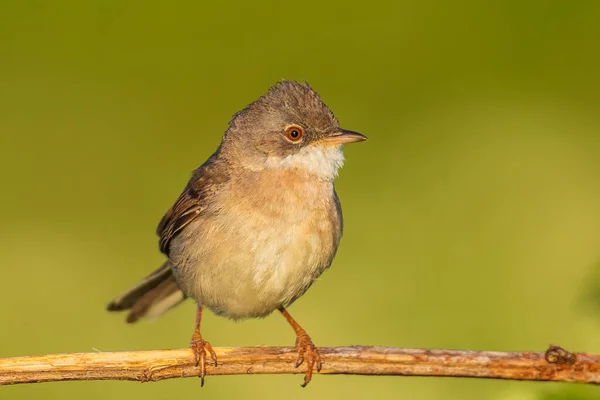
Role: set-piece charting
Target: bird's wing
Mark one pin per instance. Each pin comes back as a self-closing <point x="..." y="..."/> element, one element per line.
<point x="192" y="202"/>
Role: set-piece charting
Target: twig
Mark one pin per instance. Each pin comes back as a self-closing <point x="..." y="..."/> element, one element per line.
<point x="556" y="364"/>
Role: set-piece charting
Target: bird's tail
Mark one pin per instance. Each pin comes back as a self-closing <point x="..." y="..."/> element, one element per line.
<point x="153" y="296"/>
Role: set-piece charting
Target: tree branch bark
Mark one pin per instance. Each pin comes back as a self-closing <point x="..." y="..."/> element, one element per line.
<point x="556" y="364"/>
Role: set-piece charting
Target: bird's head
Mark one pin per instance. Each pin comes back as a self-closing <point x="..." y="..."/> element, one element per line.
<point x="288" y="128"/>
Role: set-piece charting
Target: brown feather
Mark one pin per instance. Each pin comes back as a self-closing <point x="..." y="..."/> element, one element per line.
<point x="192" y="201"/>
<point x="126" y="300"/>
<point x="158" y="287"/>
<point x="157" y="301"/>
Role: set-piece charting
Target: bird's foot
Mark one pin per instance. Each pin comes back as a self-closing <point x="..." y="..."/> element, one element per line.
<point x="307" y="351"/>
<point x="200" y="347"/>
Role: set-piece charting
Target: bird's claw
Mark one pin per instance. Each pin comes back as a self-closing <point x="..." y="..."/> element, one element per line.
<point x="200" y="347"/>
<point x="307" y="351"/>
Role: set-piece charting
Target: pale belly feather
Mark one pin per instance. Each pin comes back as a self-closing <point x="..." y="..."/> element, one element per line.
<point x="246" y="263"/>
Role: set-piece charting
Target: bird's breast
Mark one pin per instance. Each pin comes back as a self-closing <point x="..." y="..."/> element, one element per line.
<point x="270" y="238"/>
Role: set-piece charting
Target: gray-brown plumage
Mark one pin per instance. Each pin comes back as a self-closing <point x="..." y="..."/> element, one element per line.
<point x="153" y="296"/>
<point x="257" y="223"/>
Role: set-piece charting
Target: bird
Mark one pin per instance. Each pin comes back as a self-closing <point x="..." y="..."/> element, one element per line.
<point x="258" y="222"/>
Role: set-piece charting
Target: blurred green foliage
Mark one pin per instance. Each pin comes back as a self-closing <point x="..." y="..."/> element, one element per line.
<point x="472" y="213"/>
<point x="571" y="392"/>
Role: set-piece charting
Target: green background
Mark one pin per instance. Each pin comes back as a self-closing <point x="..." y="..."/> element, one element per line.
<point x="472" y="213"/>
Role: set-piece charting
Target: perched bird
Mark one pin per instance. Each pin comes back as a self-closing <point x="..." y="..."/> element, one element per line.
<point x="257" y="223"/>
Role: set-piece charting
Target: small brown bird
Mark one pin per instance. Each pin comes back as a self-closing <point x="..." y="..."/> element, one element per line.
<point x="257" y="223"/>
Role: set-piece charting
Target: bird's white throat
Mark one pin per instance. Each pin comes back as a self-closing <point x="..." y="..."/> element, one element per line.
<point x="322" y="161"/>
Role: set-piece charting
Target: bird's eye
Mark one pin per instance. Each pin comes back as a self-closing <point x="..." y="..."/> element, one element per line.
<point x="294" y="133"/>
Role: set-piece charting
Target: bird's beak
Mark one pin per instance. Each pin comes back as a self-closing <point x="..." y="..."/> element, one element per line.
<point x="343" y="136"/>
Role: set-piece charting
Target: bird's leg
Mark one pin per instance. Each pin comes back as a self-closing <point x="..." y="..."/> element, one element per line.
<point x="200" y="347"/>
<point x="306" y="349"/>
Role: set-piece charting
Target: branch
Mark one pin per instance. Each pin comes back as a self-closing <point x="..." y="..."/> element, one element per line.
<point x="556" y="364"/>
